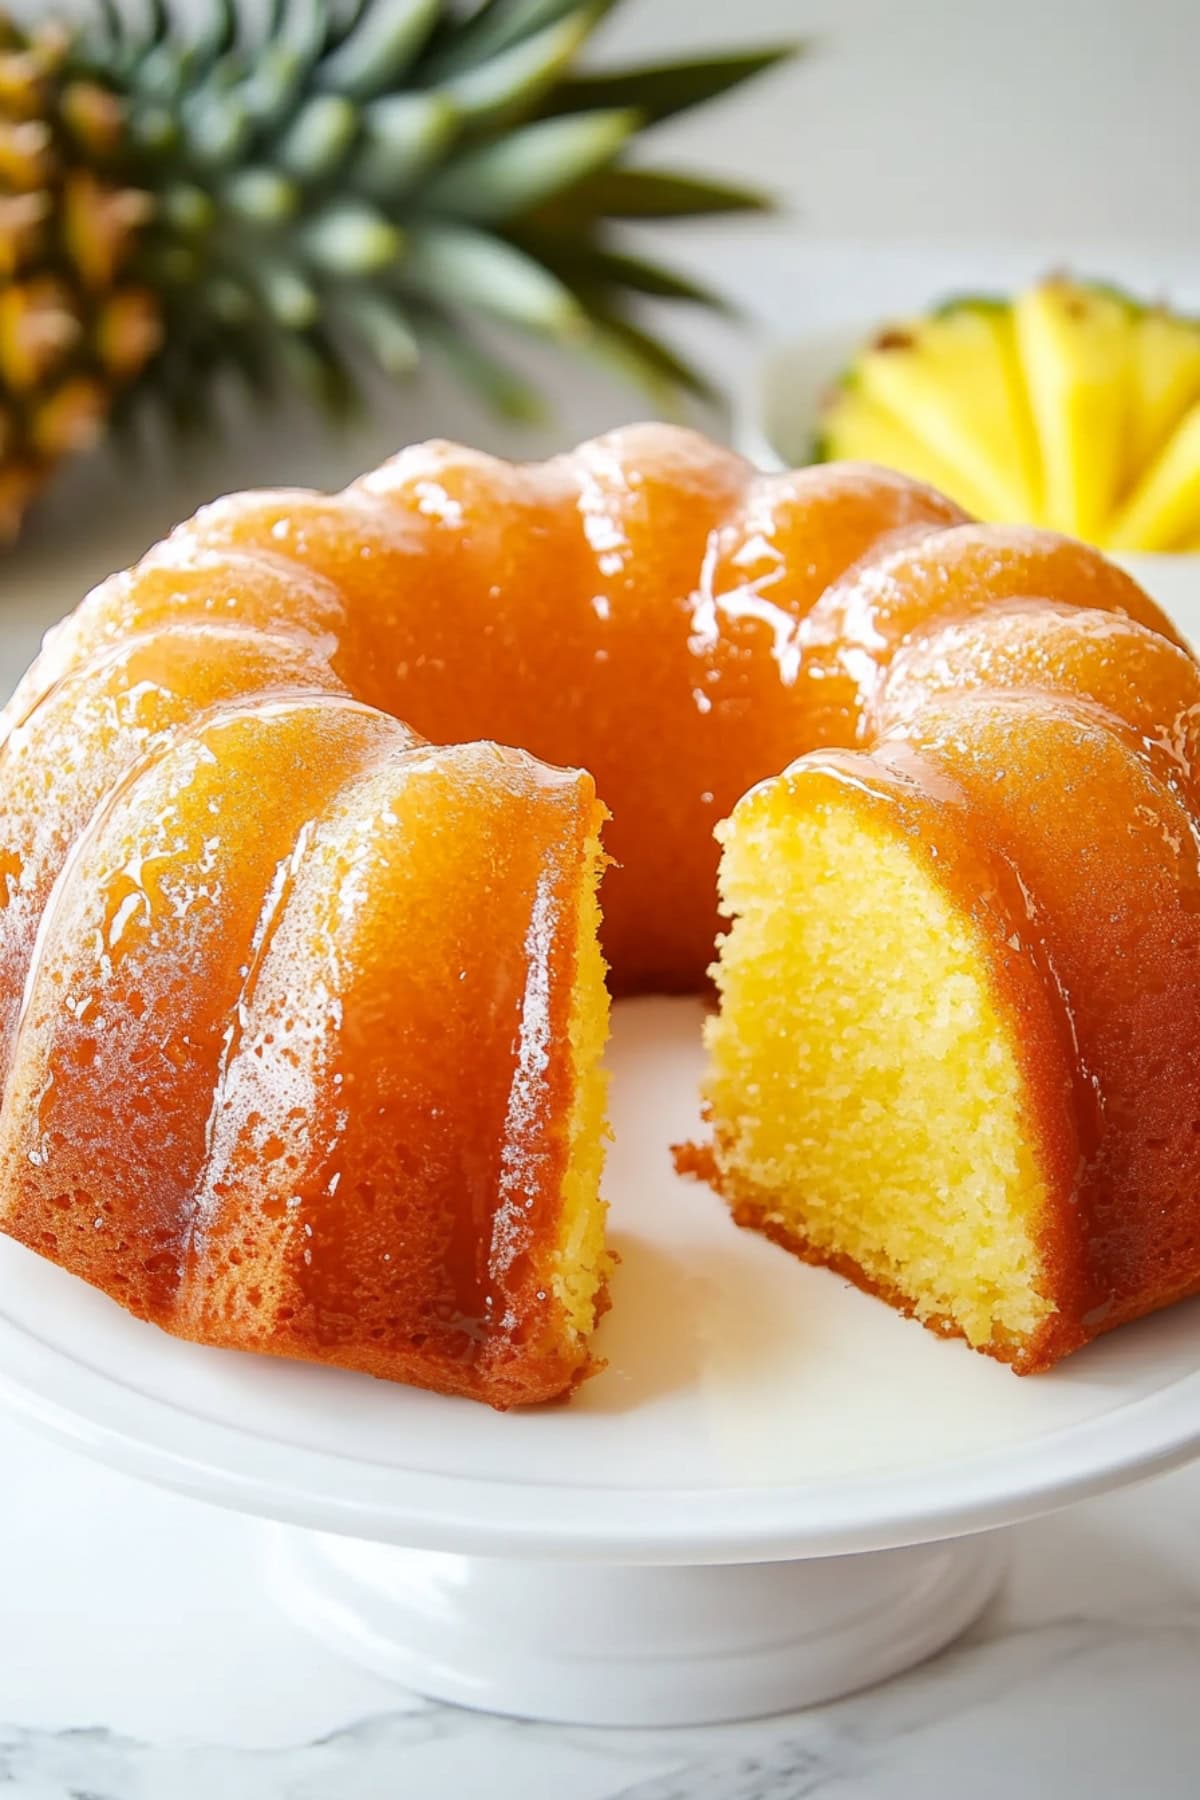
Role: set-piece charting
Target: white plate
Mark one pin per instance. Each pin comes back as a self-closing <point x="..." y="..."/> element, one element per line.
<point x="752" y="1408"/>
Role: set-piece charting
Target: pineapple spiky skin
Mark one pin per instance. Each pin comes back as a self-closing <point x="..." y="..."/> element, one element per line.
<point x="289" y="197"/>
<point x="75" y="327"/>
<point x="1072" y="405"/>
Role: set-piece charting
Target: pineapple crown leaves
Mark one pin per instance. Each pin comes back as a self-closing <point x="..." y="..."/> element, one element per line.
<point x="282" y="194"/>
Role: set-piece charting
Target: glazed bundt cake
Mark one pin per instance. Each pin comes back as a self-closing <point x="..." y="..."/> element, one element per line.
<point x="302" y="1013"/>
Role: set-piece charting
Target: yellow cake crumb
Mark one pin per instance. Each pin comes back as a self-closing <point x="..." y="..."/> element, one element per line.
<point x="865" y="1091"/>
<point x="582" y="1265"/>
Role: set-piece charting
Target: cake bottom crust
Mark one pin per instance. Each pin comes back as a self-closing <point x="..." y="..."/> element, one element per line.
<point x="1031" y="1356"/>
<point x="501" y="1382"/>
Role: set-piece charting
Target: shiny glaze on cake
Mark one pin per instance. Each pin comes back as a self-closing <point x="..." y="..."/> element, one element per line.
<point x="860" y="623"/>
<point x="283" y="1074"/>
<point x="277" y="1046"/>
<point x="646" y="586"/>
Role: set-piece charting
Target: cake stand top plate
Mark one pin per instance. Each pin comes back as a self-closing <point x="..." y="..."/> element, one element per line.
<point x="752" y="1408"/>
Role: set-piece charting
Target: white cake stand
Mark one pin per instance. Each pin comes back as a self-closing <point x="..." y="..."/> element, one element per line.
<point x="776" y="1492"/>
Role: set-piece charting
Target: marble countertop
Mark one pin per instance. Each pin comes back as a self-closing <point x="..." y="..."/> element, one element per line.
<point x="142" y="1658"/>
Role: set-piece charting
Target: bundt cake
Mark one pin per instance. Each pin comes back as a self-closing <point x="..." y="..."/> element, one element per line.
<point x="302" y="1013"/>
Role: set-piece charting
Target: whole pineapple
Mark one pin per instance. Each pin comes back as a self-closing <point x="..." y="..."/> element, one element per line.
<point x="282" y="197"/>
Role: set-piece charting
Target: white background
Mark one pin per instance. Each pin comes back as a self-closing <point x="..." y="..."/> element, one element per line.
<point x="1055" y="119"/>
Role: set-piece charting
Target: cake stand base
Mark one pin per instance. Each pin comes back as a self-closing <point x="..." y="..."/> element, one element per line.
<point x="596" y="1644"/>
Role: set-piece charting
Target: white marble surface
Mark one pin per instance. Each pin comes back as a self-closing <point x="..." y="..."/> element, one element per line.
<point x="141" y="1658"/>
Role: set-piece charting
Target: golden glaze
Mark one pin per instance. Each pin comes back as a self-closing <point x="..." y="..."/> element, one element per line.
<point x="402" y="1192"/>
<point x="860" y="623"/>
<point x="649" y="586"/>
<point x="288" y="1075"/>
<point x="280" y="1077"/>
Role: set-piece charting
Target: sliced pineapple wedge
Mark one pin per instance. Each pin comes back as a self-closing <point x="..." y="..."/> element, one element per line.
<point x="1075" y="346"/>
<point x="954" y="381"/>
<point x="1073" y="405"/>
<point x="1166" y="380"/>
<point x="857" y="428"/>
<point x="1163" y="511"/>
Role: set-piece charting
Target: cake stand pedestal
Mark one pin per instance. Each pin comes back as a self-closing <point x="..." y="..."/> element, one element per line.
<point x="777" y="1490"/>
<point x="613" y="1645"/>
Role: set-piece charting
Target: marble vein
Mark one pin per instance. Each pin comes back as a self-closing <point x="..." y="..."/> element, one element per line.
<point x="1027" y="1697"/>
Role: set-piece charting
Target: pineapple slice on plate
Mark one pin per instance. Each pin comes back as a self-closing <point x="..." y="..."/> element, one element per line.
<point x="953" y="380"/>
<point x="1072" y="405"/>
<point x="1166" y="379"/>
<point x="1163" y="511"/>
<point x="1075" y="347"/>
<point x="857" y="428"/>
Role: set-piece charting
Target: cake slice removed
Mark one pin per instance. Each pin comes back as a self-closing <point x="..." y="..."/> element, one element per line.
<point x="869" y="1088"/>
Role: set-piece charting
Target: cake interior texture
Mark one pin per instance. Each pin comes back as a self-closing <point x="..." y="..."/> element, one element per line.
<point x="865" y="1088"/>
